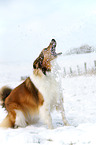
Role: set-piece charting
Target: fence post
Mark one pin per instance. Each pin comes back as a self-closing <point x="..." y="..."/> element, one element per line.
<point x="85" y="66"/>
<point x="78" y="69"/>
<point x="95" y="64"/>
<point x="64" y="71"/>
<point x="71" y="71"/>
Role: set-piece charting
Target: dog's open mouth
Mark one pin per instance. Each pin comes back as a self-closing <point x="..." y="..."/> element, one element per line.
<point x="53" y="49"/>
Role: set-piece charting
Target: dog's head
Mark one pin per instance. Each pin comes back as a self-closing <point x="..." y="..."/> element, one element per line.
<point x="45" y="57"/>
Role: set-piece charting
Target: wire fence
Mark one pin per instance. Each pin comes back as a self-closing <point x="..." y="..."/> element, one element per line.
<point x="79" y="71"/>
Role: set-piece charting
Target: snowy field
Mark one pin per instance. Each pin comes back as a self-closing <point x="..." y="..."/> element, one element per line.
<point x="80" y="108"/>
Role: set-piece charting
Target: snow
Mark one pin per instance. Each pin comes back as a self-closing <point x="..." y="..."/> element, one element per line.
<point x="80" y="109"/>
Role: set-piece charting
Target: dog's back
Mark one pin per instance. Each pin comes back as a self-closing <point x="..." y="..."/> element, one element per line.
<point x="23" y="102"/>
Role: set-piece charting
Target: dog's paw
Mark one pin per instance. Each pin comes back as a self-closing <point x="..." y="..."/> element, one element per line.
<point x="50" y="127"/>
<point x="67" y="124"/>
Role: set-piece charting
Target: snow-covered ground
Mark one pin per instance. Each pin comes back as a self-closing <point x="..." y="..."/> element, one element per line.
<point x="80" y="108"/>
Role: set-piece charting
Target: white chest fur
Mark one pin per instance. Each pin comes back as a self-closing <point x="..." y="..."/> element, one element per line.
<point x="49" y="86"/>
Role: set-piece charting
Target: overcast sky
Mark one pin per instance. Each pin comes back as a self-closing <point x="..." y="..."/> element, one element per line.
<point x="27" y="26"/>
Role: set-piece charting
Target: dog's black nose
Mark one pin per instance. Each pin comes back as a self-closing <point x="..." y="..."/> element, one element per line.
<point x="53" y="40"/>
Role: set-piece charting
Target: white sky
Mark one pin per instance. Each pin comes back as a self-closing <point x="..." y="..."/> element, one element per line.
<point x="27" y="26"/>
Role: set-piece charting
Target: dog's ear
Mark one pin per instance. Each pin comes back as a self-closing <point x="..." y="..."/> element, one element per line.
<point x="38" y="62"/>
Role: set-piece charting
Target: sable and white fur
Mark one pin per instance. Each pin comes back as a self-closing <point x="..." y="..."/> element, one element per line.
<point x="38" y="95"/>
<point x="50" y="88"/>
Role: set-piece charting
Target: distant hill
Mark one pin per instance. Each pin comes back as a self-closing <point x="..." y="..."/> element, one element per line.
<point x="81" y="50"/>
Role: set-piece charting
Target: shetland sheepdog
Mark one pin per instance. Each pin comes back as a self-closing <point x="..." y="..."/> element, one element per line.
<point x="37" y="96"/>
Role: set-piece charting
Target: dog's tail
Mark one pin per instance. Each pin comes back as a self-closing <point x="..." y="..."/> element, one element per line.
<point x="4" y="93"/>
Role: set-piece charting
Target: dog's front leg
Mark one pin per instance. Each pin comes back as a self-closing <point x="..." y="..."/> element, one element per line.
<point x="46" y="116"/>
<point x="63" y="113"/>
